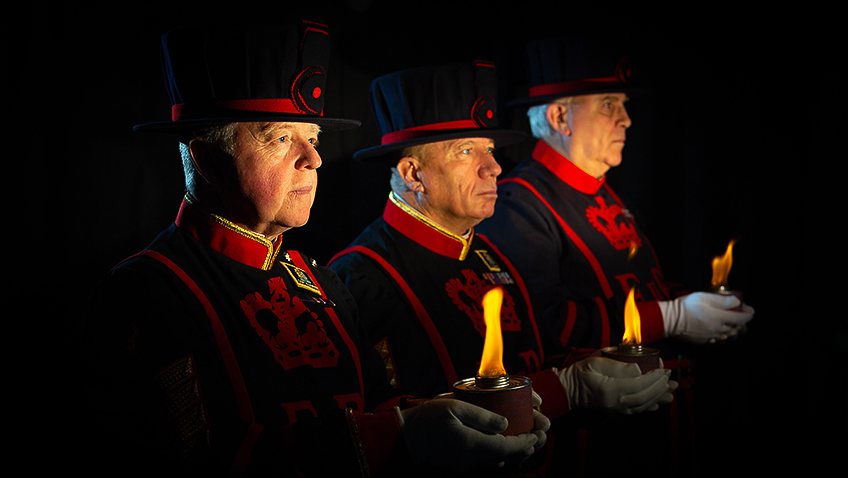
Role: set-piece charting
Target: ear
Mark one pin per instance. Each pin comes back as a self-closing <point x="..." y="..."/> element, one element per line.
<point x="409" y="168"/>
<point x="557" y="115"/>
<point x="205" y="158"/>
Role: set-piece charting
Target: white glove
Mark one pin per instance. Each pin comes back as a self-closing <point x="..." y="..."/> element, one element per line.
<point x="609" y="385"/>
<point x="703" y="317"/>
<point x="541" y="423"/>
<point x="459" y="436"/>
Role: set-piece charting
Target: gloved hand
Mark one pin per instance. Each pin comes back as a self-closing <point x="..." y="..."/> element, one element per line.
<point x="541" y="423"/>
<point x="606" y="384"/>
<point x="703" y="317"/>
<point x="459" y="436"/>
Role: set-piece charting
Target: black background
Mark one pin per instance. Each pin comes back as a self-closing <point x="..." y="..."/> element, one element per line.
<point x="738" y="138"/>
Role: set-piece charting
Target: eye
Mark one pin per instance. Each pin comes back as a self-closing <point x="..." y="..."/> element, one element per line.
<point x="313" y="142"/>
<point x="283" y="139"/>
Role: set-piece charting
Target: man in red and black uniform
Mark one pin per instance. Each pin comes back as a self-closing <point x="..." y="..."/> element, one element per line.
<point x="576" y="244"/>
<point x="214" y="352"/>
<point x="420" y="271"/>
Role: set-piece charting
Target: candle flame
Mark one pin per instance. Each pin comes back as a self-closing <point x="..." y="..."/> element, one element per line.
<point x="491" y="364"/>
<point x="634" y="248"/>
<point x="721" y="266"/>
<point x="632" y="321"/>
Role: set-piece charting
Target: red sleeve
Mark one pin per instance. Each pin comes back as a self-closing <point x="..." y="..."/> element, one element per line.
<point x="554" y="400"/>
<point x="650" y="316"/>
<point x="382" y="450"/>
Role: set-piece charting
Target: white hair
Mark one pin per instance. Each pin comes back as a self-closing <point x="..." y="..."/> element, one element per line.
<point x="538" y="116"/>
<point x="423" y="152"/>
<point x="219" y="135"/>
<point x="397" y="183"/>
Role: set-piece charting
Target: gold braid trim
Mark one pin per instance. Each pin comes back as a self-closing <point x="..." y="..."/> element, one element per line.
<point x="466" y="243"/>
<point x="273" y="249"/>
<point x="357" y="443"/>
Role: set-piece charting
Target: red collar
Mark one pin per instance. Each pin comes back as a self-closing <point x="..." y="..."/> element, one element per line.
<point x="415" y="226"/>
<point x="565" y="170"/>
<point x="229" y="239"/>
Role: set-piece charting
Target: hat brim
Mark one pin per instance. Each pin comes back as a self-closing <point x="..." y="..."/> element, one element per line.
<point x="188" y="126"/>
<point x="501" y="137"/>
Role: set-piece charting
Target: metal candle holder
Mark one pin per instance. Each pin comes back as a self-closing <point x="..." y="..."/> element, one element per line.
<point x="510" y="396"/>
<point x="723" y="290"/>
<point x="646" y="357"/>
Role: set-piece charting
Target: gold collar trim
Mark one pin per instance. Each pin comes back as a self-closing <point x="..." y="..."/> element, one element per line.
<point x="460" y="242"/>
<point x="256" y="250"/>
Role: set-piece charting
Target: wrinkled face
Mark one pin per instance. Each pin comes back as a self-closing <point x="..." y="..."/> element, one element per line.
<point x="460" y="183"/>
<point x="275" y="166"/>
<point x="598" y="124"/>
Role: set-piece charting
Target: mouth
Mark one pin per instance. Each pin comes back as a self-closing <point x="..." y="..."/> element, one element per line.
<point x="303" y="191"/>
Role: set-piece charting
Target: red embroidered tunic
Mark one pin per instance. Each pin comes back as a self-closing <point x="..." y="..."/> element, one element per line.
<point x="420" y="287"/>
<point x="216" y="352"/>
<point x="579" y="250"/>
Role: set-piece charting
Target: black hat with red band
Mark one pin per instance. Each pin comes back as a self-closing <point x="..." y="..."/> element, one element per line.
<point x="560" y="67"/>
<point x="436" y="103"/>
<point x="237" y="73"/>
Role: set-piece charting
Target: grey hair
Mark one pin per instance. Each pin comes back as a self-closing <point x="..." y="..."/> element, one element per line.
<point x="423" y="152"/>
<point x="218" y="135"/>
<point x="397" y="183"/>
<point x="538" y="116"/>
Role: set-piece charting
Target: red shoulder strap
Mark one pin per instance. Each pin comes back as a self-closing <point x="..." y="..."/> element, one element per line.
<point x="230" y="363"/>
<point x="593" y="261"/>
<point x="417" y="306"/>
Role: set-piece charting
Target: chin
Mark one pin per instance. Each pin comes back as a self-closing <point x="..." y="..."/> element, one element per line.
<point x="486" y="213"/>
<point x="292" y="222"/>
<point x="613" y="162"/>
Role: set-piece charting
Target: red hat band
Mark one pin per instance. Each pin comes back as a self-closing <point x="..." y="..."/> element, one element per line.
<point x="568" y="87"/>
<point x="427" y="130"/>
<point x="273" y="105"/>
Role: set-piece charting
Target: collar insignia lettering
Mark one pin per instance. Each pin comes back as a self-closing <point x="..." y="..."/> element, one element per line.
<point x="487" y="259"/>
<point x="301" y="278"/>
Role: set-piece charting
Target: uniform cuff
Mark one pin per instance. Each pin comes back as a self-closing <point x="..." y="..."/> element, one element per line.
<point x="381" y="448"/>
<point x="650" y="317"/>
<point x="549" y="387"/>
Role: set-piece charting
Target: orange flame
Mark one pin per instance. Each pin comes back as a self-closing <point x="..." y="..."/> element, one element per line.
<point x="721" y="266"/>
<point x="632" y="251"/>
<point x="491" y="364"/>
<point x="632" y="321"/>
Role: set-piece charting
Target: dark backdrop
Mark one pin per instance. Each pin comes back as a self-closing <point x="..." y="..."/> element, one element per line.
<point x="720" y="148"/>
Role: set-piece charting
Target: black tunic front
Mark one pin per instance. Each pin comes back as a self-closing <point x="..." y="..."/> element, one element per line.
<point x="215" y="351"/>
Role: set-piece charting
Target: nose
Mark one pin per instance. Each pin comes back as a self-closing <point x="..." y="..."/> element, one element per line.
<point x="308" y="157"/>
<point x="624" y="118"/>
<point x="490" y="167"/>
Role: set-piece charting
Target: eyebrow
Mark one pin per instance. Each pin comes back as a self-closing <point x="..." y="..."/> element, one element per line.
<point x="615" y="98"/>
<point x="269" y="128"/>
<point x="469" y="142"/>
